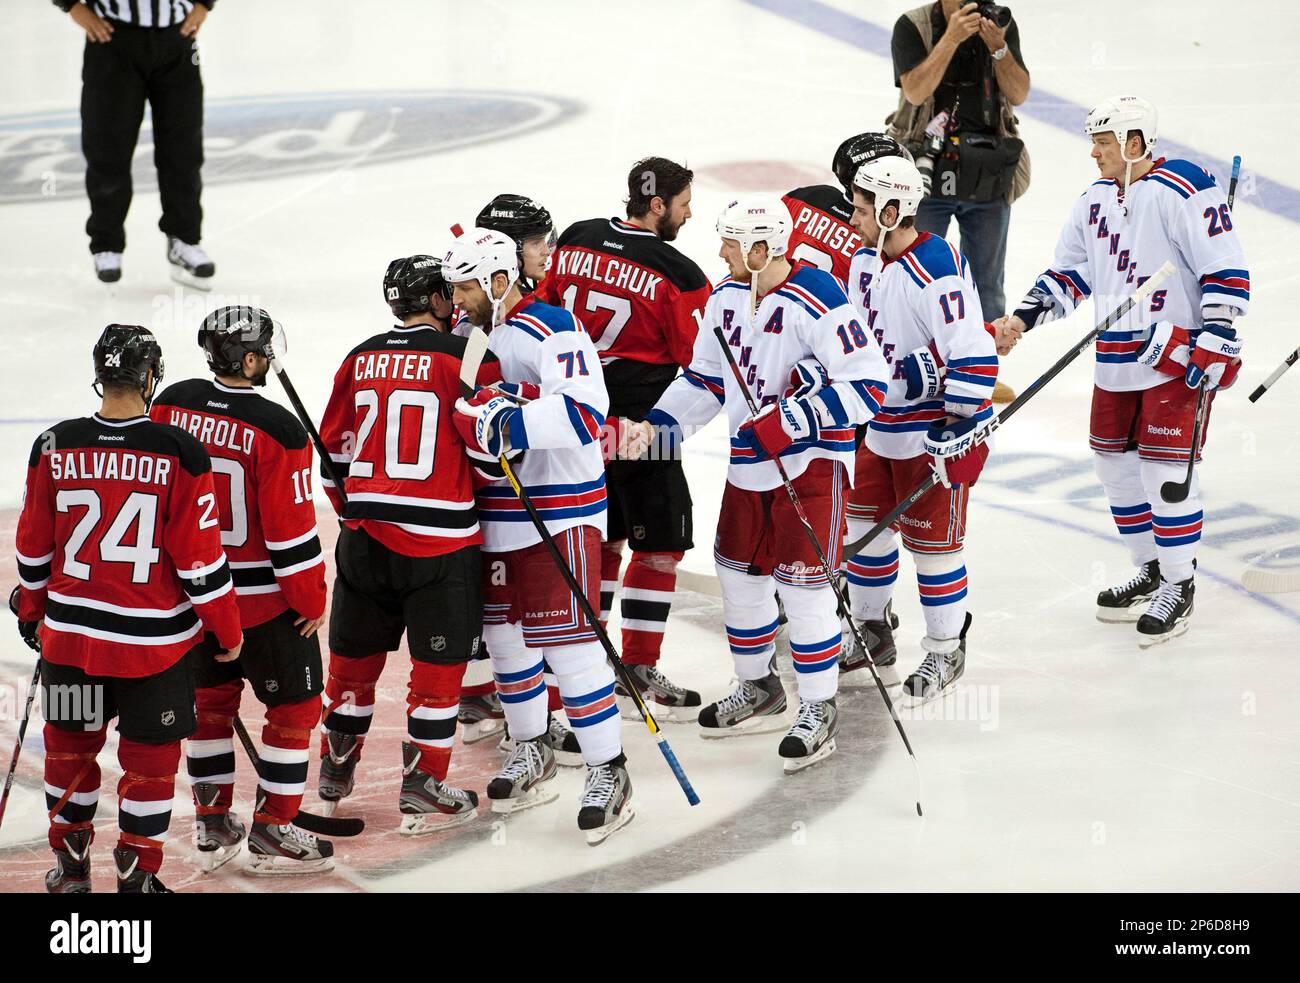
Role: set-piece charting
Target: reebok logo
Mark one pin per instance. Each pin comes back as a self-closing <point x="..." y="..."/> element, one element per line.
<point x="102" y="937"/>
<point x="218" y="406"/>
<point x="111" y="436"/>
<point x="907" y="520"/>
<point x="1165" y="431"/>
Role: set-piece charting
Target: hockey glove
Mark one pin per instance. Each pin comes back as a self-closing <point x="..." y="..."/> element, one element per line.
<point x="778" y="425"/>
<point x="807" y="378"/>
<point x="483" y="419"/>
<point x="518" y="392"/>
<point x="925" y="373"/>
<point x="29" y="630"/>
<point x="955" y="457"/>
<point x="1167" y="349"/>
<point x="1216" y="357"/>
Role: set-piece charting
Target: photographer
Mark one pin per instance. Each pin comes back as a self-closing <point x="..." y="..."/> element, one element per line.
<point x="960" y="72"/>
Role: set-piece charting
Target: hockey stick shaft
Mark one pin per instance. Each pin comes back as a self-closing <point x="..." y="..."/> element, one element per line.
<point x="1276" y="374"/>
<point x="580" y="596"/>
<point x="18" y="743"/>
<point x="312" y="823"/>
<point x="326" y="462"/>
<point x="841" y="602"/>
<point x="1118" y="314"/>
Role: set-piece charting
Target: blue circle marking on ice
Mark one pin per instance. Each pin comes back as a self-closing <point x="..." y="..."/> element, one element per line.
<point x="254" y="138"/>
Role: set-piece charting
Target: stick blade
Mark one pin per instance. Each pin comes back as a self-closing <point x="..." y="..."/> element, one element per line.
<point x="1174" y="491"/>
<point x="475" y="349"/>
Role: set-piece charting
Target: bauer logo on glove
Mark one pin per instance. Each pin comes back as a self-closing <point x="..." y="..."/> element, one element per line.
<point x="956" y="457"/>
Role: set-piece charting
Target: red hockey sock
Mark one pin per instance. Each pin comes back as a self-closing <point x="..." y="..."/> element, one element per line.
<point x="648" y="588"/>
<point x="67" y="754"/>
<point x="431" y="707"/>
<point x="349" y="697"/>
<point x="144" y="798"/>
<point x="286" y="737"/>
<point x="611" y="558"/>
<point x="210" y="752"/>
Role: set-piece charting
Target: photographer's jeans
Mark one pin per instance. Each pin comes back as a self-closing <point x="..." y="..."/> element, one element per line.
<point x="983" y="242"/>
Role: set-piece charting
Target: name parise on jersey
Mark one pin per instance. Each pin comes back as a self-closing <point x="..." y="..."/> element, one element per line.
<point x="821" y="234"/>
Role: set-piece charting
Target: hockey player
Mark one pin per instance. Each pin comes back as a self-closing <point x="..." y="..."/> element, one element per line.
<point x="268" y="529"/>
<point x="408" y="554"/>
<point x="640" y="300"/>
<point x="783" y="322"/>
<point x="915" y="293"/>
<point x="121" y="571"/>
<point x="530" y="613"/>
<point x="823" y="234"/>
<point x="1142" y="212"/>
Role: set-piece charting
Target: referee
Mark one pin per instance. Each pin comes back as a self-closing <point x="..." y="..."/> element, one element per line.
<point x="138" y="51"/>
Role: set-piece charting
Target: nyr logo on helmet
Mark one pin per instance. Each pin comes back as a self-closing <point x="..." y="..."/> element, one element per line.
<point x="248" y="139"/>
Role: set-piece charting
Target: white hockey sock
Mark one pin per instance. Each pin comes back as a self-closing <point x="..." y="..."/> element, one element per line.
<point x="941" y="578"/>
<point x="814" y="639"/>
<point x="587" y="688"/>
<point x="1130" y="503"/>
<point x="1176" y="525"/>
<point x="749" y="610"/>
<point x="518" y="673"/>
<point x="871" y="574"/>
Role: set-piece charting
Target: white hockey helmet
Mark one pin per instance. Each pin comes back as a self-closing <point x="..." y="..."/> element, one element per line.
<point x="479" y="254"/>
<point x="1121" y="115"/>
<point x="891" y="179"/>
<point x="754" y="219"/>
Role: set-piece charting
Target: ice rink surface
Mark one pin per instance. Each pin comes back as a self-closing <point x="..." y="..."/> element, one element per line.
<point x="341" y="135"/>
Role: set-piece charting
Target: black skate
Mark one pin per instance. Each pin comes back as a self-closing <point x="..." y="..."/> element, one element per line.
<point x="754" y="707"/>
<point x="71" y="871"/>
<point x="812" y="737"/>
<point x="131" y="879"/>
<point x="564" y="743"/>
<point x="606" y="801"/>
<point x="669" y="701"/>
<point x="108" y="267"/>
<point x="337" y="770"/>
<point x="525" y="779"/>
<point x="191" y="266"/>
<point x="217" y="835"/>
<point x="1168" y="615"/>
<point x="1124" y="604"/>
<point x="428" y="805"/>
<point x="286" y="849"/>
<point x="879" y="636"/>
<point x="944" y="663"/>
<point x="480" y="717"/>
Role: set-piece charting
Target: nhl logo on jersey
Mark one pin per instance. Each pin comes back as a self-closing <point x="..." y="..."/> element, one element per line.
<point x="272" y="686"/>
<point x="638" y="532"/>
<point x="168" y="718"/>
<point x="438" y="643"/>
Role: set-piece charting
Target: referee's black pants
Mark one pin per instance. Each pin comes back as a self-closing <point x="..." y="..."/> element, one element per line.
<point x="142" y="64"/>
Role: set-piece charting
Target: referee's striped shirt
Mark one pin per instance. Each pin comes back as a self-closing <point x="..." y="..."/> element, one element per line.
<point x="141" y="13"/>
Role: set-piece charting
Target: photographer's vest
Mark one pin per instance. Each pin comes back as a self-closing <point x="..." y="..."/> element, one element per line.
<point x="907" y="123"/>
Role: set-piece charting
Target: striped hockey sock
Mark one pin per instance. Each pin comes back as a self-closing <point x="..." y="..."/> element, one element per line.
<point x="648" y="588"/>
<point x="286" y="738"/>
<point x="431" y="708"/>
<point x="210" y="753"/>
<point x="349" y="697"/>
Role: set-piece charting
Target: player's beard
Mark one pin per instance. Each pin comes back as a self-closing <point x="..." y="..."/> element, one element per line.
<point x="479" y="313"/>
<point x="668" y="229"/>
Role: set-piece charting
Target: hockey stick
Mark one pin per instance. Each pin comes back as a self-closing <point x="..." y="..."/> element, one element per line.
<point x="1267" y="384"/>
<point x="1177" y="491"/>
<point x="983" y="434"/>
<point x="620" y="670"/>
<point x="18" y="744"/>
<point x="335" y="826"/>
<point x="326" y="462"/>
<point x="841" y="602"/>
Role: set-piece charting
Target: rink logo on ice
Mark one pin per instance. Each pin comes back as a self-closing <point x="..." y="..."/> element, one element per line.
<point x="260" y="137"/>
<point x="102" y="937"/>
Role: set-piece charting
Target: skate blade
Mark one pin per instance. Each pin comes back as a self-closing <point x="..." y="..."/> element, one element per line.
<point x="261" y="865"/>
<point x="481" y="730"/>
<point x="435" y="822"/>
<point x="1121" y="616"/>
<point x="185" y="279"/>
<point x="662" y="713"/>
<point x="1148" y="641"/>
<point x="595" y="837"/>
<point x="218" y="858"/>
<point x="793" y="765"/>
<point x="538" y="795"/>
<point x="753" y="725"/>
<point x="915" y="702"/>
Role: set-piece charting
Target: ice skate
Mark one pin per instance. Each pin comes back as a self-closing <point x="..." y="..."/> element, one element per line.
<point x="943" y="665"/>
<point x="879" y="636"/>
<point x="1169" y="614"/>
<point x="108" y="267"/>
<point x="286" y="849"/>
<point x="337" y="770"/>
<point x="754" y="707"/>
<point x="71" y="871"/>
<point x="812" y="737"/>
<point x="526" y="778"/>
<point x="480" y="717"/>
<point x="428" y="805"/>
<point x="1124" y="604"/>
<point x="131" y="879"/>
<point x="606" y="801"/>
<point x="191" y="266"/>
<point x="217" y="835"/>
<point x="667" y="700"/>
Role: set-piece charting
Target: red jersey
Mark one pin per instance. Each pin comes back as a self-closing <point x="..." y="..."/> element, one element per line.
<point x="118" y="547"/>
<point x="638" y="297"/>
<point x="822" y="235"/>
<point x="388" y="431"/>
<point x="261" y="465"/>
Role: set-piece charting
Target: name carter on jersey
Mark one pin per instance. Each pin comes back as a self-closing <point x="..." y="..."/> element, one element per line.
<point x="607" y="269"/>
<point x="385" y="365"/>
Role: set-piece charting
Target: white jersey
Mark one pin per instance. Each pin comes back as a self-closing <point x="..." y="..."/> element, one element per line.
<point x="562" y="470"/>
<point x="924" y="298"/>
<point x="1176" y="213"/>
<point x="808" y="315"/>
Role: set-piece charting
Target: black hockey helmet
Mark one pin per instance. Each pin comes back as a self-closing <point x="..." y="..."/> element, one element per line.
<point x="857" y="150"/>
<point x="518" y="217"/>
<point x="410" y="284"/>
<point x="125" y="354"/>
<point x="229" y="333"/>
